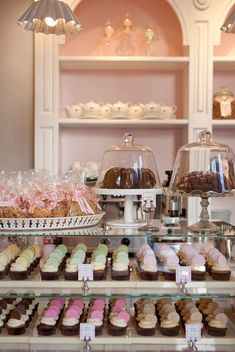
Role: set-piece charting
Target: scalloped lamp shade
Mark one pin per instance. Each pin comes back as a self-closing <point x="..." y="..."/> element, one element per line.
<point x="50" y="17"/>
<point x="229" y="24"/>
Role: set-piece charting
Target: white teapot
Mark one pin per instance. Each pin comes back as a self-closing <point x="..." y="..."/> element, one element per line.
<point x="151" y="109"/>
<point x="120" y="109"/>
<point x="135" y="111"/>
<point x="106" y="111"/>
<point x="91" y="109"/>
<point x="74" y="111"/>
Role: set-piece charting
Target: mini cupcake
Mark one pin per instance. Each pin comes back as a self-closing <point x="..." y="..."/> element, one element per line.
<point x="53" y="266"/>
<point x="169" y="324"/>
<point x="197" y="264"/>
<point x="50" y="317"/>
<point x="146" y="325"/>
<point x="72" y="318"/>
<point x="120" y="263"/>
<point x="99" y="260"/>
<point x="217" y="326"/>
<point x="118" y="322"/>
<point x="220" y="270"/>
<point x="78" y="256"/>
<point x="16" y="324"/>
<point x="7" y="256"/>
<point x="148" y="265"/>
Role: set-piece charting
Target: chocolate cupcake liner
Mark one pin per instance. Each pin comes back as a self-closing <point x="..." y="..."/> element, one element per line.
<point x="173" y="331"/>
<point x="169" y="275"/>
<point x="69" y="330"/>
<point x="116" y="330"/>
<point x="198" y="275"/>
<point x="221" y="275"/>
<point x="219" y="332"/>
<point x="17" y="330"/>
<point x="120" y="275"/>
<point x="145" y="332"/>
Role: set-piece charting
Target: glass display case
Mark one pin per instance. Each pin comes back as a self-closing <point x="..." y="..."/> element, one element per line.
<point x="138" y="270"/>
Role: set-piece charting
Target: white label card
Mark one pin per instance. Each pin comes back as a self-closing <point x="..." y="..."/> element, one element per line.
<point x="183" y="274"/>
<point x="225" y="108"/>
<point x="87" y="331"/>
<point x="193" y="332"/>
<point x="85" y="272"/>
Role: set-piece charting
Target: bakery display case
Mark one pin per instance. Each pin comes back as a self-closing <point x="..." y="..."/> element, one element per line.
<point x="133" y="295"/>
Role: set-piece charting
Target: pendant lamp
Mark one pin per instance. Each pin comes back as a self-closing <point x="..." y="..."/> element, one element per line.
<point x="50" y="17"/>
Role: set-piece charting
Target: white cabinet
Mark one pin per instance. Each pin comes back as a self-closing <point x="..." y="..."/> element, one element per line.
<point x="189" y="64"/>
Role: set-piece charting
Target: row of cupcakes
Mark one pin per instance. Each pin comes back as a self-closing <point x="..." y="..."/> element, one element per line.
<point x="72" y="317"/>
<point x="53" y="265"/>
<point x="25" y="263"/>
<point x="147" y="263"/>
<point x="118" y="317"/>
<point x="77" y="257"/>
<point x="146" y="319"/>
<point x="50" y="317"/>
<point x="96" y="314"/>
<point x="121" y="263"/>
<point x="169" y="319"/>
<point x="8" y="256"/>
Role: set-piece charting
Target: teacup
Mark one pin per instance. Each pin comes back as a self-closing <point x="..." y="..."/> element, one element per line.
<point x="168" y="111"/>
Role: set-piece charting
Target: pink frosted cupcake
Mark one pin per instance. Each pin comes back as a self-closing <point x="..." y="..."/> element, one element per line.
<point x="72" y="318"/>
<point x="220" y="270"/>
<point x="148" y="266"/>
<point x="197" y="264"/>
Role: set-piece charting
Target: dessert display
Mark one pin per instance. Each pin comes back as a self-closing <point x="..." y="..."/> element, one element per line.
<point x="189" y="312"/>
<point x="204" y="169"/>
<point x="118" y="317"/>
<point x="128" y="166"/>
<point x="27" y="261"/>
<point x="36" y="194"/>
<point x="147" y="263"/>
<point x="78" y="256"/>
<point x="96" y="314"/>
<point x="53" y="265"/>
<point x="169" y="319"/>
<point x="72" y="317"/>
<point x="7" y="256"/>
<point x="146" y="319"/>
<point x="120" y="263"/>
<point x="50" y="317"/>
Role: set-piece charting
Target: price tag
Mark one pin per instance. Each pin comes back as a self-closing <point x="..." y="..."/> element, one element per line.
<point x="85" y="272"/>
<point x="149" y="200"/>
<point x="193" y="332"/>
<point x="183" y="274"/>
<point x="87" y="331"/>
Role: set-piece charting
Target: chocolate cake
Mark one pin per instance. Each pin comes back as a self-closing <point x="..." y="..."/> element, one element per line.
<point x="203" y="182"/>
<point x="122" y="178"/>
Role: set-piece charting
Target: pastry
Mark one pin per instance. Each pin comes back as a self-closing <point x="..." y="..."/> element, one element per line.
<point x="220" y="270"/>
<point x="120" y="263"/>
<point x="72" y="318"/>
<point x="16" y="324"/>
<point x="78" y="256"/>
<point x="121" y="178"/>
<point x="217" y="326"/>
<point x="53" y="265"/>
<point x="169" y="324"/>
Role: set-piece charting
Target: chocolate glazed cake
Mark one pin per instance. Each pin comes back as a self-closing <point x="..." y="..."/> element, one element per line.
<point x="122" y="178"/>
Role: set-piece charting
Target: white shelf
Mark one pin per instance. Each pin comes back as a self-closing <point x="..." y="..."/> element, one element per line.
<point x="176" y="63"/>
<point x="166" y="123"/>
<point x="224" y="62"/>
<point x="223" y="123"/>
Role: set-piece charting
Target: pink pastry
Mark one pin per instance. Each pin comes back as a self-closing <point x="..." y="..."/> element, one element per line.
<point x="198" y="260"/>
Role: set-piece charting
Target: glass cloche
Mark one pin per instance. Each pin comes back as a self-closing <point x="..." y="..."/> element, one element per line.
<point x="128" y="166"/>
<point x="204" y="169"/>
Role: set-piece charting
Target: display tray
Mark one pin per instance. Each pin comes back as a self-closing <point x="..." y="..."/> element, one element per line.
<point x="50" y="223"/>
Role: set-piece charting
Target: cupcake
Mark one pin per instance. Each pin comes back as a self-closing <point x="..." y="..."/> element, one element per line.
<point x="50" y="317"/>
<point x="95" y="315"/>
<point x="7" y="256"/>
<point x="77" y="257"/>
<point x="220" y="270"/>
<point x="118" y="322"/>
<point x="197" y="263"/>
<point x="169" y="324"/>
<point x="217" y="326"/>
<point x="120" y="263"/>
<point x="53" y="266"/>
<point x="148" y="265"/>
<point x="72" y="318"/>
<point x="16" y="324"/>
<point x="98" y="261"/>
<point x="195" y="317"/>
<point x="118" y="317"/>
<point x="146" y="318"/>
<point x="170" y="265"/>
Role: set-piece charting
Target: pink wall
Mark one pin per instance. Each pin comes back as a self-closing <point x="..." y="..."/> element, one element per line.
<point x="94" y="14"/>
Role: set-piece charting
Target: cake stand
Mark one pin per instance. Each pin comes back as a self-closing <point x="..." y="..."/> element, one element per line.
<point x="129" y="221"/>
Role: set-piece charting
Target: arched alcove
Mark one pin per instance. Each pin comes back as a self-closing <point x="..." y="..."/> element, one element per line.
<point x="94" y="14"/>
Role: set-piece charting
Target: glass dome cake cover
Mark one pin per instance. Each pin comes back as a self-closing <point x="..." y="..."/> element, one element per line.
<point x="128" y="166"/>
<point x="204" y="168"/>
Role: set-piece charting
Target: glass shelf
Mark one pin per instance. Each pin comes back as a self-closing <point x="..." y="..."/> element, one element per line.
<point x="174" y="231"/>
